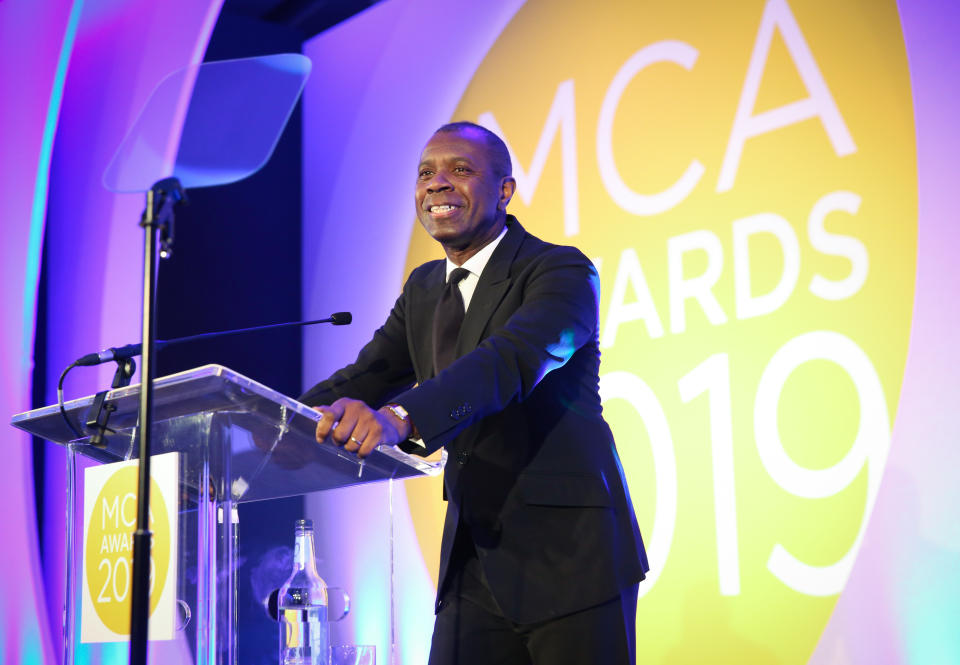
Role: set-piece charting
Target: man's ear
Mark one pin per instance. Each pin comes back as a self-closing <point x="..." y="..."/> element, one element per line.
<point x="508" y="186"/>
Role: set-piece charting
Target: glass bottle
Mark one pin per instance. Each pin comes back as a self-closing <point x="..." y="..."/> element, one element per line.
<point x="302" y="603"/>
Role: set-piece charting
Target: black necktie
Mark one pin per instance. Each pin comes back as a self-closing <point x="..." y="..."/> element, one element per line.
<point x="447" y="319"/>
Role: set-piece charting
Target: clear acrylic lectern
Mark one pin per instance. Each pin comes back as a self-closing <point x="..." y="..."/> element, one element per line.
<point x="237" y="441"/>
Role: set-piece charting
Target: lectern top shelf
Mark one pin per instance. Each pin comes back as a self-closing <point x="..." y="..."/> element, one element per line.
<point x="258" y="442"/>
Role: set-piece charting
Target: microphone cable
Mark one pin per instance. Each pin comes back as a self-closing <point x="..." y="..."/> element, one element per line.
<point x="63" y="410"/>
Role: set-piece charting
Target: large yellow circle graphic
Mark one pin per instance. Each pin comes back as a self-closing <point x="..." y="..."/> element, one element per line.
<point x="109" y="548"/>
<point x="744" y="177"/>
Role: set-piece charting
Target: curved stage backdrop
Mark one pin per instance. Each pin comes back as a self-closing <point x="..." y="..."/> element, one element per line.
<point x="764" y="187"/>
<point x="746" y="178"/>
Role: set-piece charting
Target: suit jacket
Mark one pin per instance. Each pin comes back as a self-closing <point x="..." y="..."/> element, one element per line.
<point x="532" y="469"/>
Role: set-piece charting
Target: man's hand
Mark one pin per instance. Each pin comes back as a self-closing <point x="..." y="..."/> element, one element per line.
<point x="358" y="428"/>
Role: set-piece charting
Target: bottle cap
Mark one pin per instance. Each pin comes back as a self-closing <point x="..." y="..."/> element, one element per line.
<point x="304" y="524"/>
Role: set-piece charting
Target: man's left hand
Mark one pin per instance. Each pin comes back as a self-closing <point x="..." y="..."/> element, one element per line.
<point x="358" y="428"/>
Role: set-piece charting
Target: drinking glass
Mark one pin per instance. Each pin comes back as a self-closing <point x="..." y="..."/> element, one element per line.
<point x="353" y="654"/>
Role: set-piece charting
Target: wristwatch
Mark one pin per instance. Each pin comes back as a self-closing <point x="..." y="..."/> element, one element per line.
<point x="402" y="414"/>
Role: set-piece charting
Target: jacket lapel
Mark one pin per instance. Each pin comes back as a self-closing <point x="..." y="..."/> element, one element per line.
<point x="422" y="303"/>
<point x="493" y="284"/>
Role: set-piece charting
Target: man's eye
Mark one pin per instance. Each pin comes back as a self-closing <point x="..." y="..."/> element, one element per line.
<point x="424" y="174"/>
<point x="461" y="169"/>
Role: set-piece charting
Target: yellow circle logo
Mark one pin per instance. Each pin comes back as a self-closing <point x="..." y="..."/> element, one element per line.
<point x="744" y="177"/>
<point x="109" y="548"/>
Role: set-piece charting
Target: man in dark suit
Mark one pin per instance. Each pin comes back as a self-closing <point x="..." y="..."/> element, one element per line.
<point x="541" y="554"/>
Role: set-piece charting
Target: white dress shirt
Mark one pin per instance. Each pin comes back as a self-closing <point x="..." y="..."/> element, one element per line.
<point x="475" y="264"/>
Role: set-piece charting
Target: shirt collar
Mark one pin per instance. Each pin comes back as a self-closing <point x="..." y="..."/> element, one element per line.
<point x="476" y="263"/>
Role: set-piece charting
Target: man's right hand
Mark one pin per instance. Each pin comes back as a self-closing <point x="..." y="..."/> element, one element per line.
<point x="358" y="428"/>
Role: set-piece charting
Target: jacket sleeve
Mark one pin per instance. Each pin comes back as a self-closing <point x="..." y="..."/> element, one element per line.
<point x="382" y="369"/>
<point x="557" y="315"/>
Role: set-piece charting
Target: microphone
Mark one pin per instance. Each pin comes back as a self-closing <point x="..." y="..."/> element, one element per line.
<point x="131" y="350"/>
<point x="113" y="353"/>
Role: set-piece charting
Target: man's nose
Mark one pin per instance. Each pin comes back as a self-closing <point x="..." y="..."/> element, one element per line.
<point x="438" y="183"/>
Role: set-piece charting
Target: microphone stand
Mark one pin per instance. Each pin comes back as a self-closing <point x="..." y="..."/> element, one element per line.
<point x="157" y="219"/>
<point x="101" y="409"/>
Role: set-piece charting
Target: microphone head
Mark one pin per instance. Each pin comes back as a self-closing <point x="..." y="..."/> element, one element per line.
<point x="341" y="318"/>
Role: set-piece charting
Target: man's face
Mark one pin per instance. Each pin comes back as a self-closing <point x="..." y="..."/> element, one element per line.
<point x="461" y="201"/>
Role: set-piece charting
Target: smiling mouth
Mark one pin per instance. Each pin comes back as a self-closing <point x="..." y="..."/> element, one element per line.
<point x="442" y="210"/>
